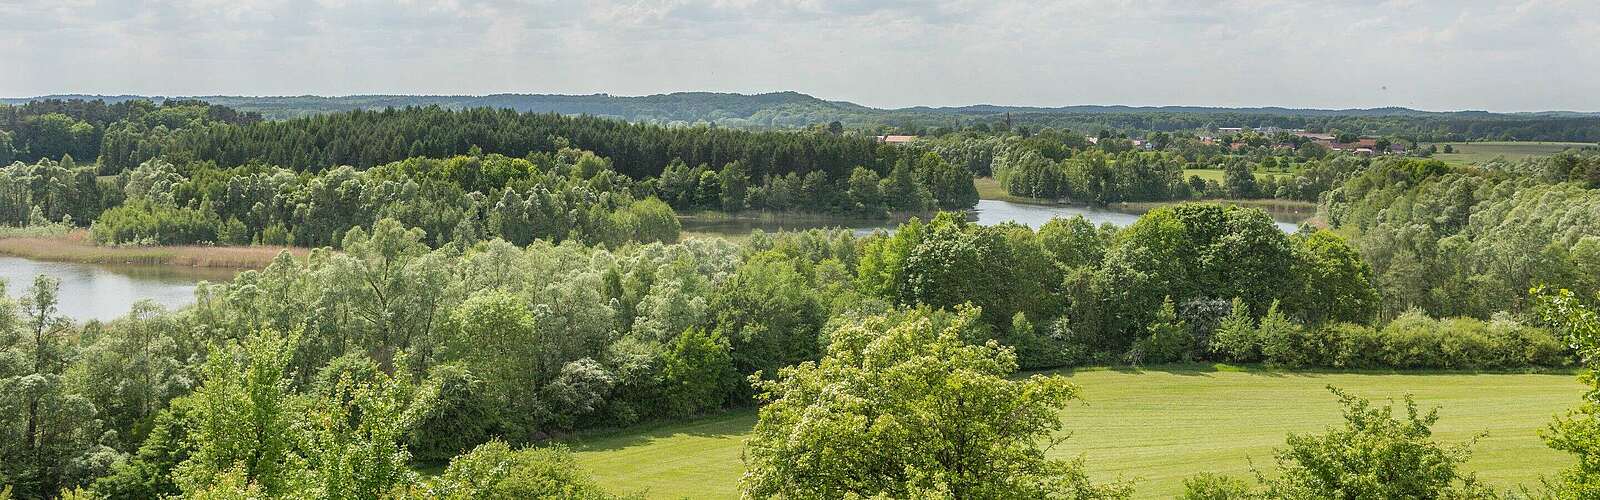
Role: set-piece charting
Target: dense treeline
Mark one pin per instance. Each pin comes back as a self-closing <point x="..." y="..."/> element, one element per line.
<point x="120" y="134"/>
<point x="369" y="138"/>
<point x="913" y="185"/>
<point x="699" y="167"/>
<point x="1442" y="127"/>
<point x="567" y="195"/>
<point x="792" y="110"/>
<point x="51" y="191"/>
<point x="1472" y="241"/>
<point x="1061" y="165"/>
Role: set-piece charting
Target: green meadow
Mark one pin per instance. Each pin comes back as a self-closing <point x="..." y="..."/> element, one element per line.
<point x="1159" y="426"/>
<point x="1471" y="153"/>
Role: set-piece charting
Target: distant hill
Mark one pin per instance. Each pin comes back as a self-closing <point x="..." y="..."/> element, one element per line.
<point x="787" y="110"/>
<point x="687" y="107"/>
<point x="712" y="106"/>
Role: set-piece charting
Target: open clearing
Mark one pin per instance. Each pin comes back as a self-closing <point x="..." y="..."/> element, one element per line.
<point x="1160" y="426"/>
<point x="1471" y="153"/>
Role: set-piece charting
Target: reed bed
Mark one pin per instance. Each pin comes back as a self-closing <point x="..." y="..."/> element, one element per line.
<point x="76" y="246"/>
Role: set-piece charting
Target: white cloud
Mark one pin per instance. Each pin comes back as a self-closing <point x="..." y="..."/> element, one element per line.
<point x="1471" y="54"/>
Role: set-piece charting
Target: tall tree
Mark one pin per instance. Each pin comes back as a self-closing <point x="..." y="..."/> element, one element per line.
<point x="902" y="407"/>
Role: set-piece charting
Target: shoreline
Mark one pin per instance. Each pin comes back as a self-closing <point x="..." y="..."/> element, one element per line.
<point x="989" y="189"/>
<point x="76" y="247"/>
<point x="768" y="216"/>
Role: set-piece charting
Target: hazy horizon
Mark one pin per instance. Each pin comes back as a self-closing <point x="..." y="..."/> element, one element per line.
<point x="825" y="98"/>
<point x="1480" y="55"/>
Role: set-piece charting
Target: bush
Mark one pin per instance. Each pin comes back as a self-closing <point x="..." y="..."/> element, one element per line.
<point x="1415" y="341"/>
<point x="1054" y="346"/>
<point x="142" y="222"/>
<point x="1283" y="341"/>
<point x="1236" y="337"/>
<point x="495" y="471"/>
<point x="645" y="221"/>
<point x="1169" y="340"/>
<point x="1349" y="345"/>
<point x="233" y="232"/>
<point x="698" y="372"/>
<point x="1524" y="345"/>
<point x="462" y="416"/>
<point x="1209" y="486"/>
<point x="1375" y="455"/>
<point x="890" y="412"/>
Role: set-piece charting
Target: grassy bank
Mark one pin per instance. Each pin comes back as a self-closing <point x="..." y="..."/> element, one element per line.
<point x="76" y="246"/>
<point x="990" y="189"/>
<point x="1160" y="426"/>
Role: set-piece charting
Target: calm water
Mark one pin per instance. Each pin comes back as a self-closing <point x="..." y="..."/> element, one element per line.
<point x="91" y="291"/>
<point x="988" y="212"/>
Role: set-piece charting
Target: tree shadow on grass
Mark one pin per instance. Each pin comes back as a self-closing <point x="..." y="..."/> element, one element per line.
<point x="732" y="423"/>
<point x="1180" y="369"/>
<point x="1210" y="369"/>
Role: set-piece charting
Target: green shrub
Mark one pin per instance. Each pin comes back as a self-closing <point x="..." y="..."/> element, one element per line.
<point x="1465" y="343"/>
<point x="1209" y="486"/>
<point x="1412" y="341"/>
<point x="645" y="221"/>
<point x="1416" y="341"/>
<point x="276" y="235"/>
<point x="1169" y="340"/>
<point x="143" y="222"/>
<point x="1056" y="345"/>
<point x="495" y="471"/>
<point x="1524" y="345"/>
<point x="1283" y="341"/>
<point x="233" y="232"/>
<point x="1375" y="454"/>
<point x="698" y="372"/>
<point x="1236" y="338"/>
<point x="462" y="416"/>
<point x="1351" y="345"/>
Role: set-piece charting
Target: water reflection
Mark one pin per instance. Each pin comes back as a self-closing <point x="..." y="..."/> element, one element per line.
<point x="103" y="292"/>
<point x="988" y="212"/>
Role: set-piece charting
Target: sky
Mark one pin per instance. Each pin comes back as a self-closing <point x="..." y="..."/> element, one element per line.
<point x="1506" y="55"/>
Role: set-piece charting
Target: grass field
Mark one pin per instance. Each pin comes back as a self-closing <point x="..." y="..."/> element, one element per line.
<point x="1215" y="174"/>
<point x="990" y="189"/>
<point x="1471" y="153"/>
<point x="1158" y="427"/>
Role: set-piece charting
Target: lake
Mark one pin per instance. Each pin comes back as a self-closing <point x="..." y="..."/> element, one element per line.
<point x="988" y="212"/>
<point x="104" y="292"/>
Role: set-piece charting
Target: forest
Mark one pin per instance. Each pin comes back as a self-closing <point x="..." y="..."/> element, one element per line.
<point x="794" y="110"/>
<point x="483" y="284"/>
